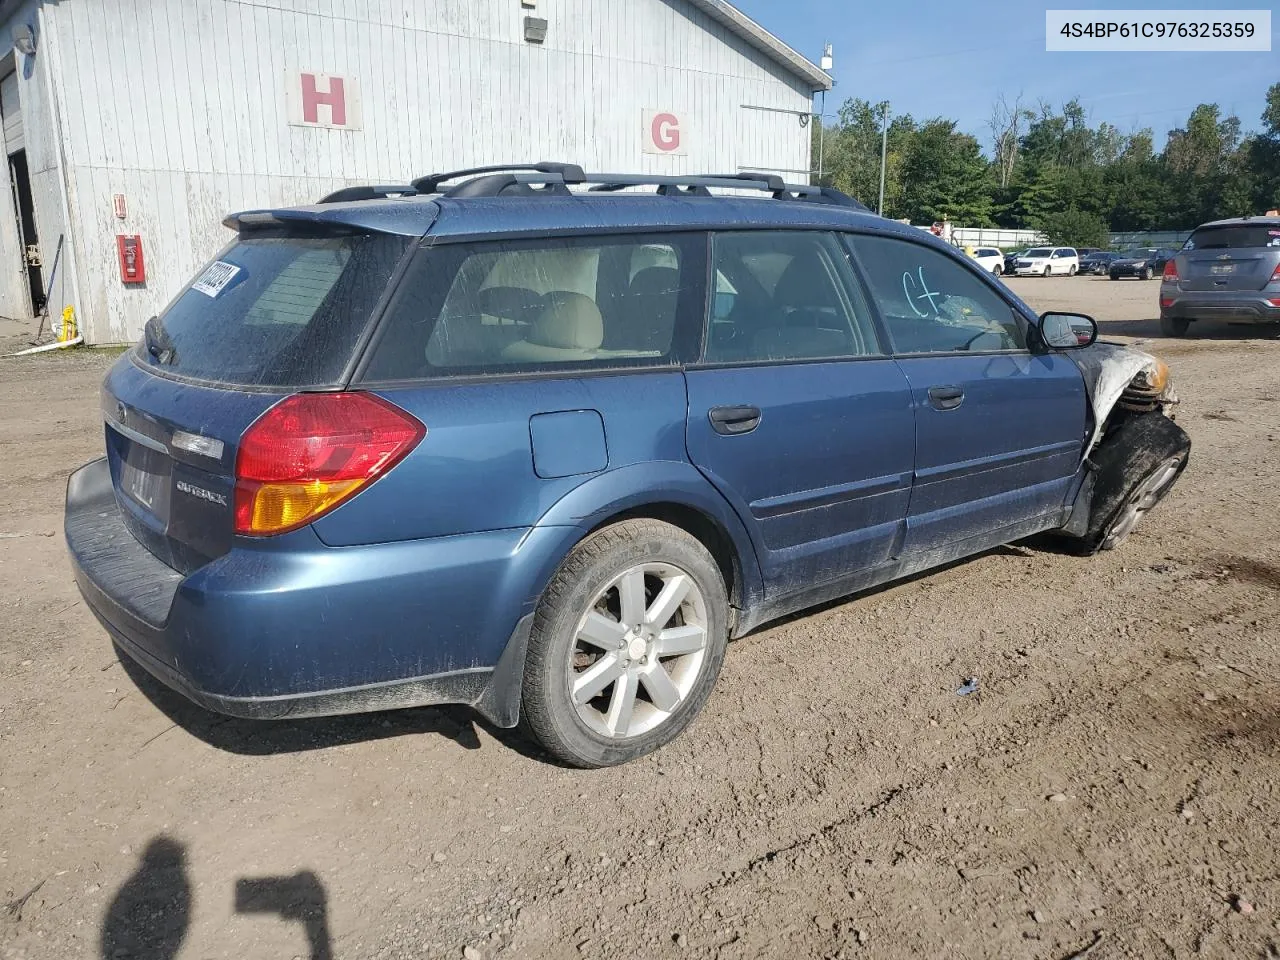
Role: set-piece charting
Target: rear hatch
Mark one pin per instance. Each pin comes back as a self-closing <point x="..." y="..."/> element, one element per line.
<point x="1231" y="257"/>
<point x="277" y="313"/>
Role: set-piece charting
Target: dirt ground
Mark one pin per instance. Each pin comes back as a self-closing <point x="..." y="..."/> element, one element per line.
<point x="1114" y="782"/>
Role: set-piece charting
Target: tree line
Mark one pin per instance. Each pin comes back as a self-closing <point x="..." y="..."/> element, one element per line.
<point x="1049" y="169"/>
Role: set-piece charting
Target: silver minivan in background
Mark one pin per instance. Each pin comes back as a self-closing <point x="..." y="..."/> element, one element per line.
<point x="1227" y="270"/>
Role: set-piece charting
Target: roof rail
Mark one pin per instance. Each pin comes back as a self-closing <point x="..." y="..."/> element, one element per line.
<point x="554" y="179"/>
<point x="697" y="185"/>
<point x="347" y="194"/>
<point x="569" y="172"/>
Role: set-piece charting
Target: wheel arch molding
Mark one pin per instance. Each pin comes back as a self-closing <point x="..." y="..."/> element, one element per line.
<point x="674" y="492"/>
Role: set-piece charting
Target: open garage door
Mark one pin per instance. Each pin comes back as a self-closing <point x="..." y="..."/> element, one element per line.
<point x="22" y="283"/>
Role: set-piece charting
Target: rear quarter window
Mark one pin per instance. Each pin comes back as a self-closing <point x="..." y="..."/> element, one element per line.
<point x="469" y="309"/>
<point x="274" y="311"/>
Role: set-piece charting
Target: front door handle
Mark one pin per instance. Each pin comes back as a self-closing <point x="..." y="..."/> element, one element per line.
<point x="945" y="398"/>
<point x="731" y="421"/>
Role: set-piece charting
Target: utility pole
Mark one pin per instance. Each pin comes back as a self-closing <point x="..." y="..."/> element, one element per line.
<point x="826" y="63"/>
<point x="822" y="135"/>
<point x="884" y="153"/>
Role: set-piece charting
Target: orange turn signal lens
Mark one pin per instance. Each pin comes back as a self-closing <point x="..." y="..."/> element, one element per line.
<point x="267" y="508"/>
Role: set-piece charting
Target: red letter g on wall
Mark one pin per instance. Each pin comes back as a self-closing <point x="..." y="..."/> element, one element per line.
<point x="665" y="131"/>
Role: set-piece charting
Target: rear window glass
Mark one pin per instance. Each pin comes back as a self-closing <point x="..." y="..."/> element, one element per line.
<point x="274" y="311"/>
<point x="546" y="303"/>
<point x="1234" y="237"/>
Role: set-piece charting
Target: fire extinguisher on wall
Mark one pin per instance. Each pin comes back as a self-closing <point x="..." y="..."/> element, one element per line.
<point x="133" y="267"/>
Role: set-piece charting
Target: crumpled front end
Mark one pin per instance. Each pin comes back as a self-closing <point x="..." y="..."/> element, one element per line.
<point x="1123" y="378"/>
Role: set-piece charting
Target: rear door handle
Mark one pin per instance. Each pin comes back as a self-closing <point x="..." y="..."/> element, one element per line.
<point x="731" y="421"/>
<point x="945" y="398"/>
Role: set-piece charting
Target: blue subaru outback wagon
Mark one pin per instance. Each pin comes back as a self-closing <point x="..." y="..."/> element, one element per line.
<point x="542" y="442"/>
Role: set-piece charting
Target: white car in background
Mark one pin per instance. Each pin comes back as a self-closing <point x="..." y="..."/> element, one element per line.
<point x="1048" y="261"/>
<point x="989" y="258"/>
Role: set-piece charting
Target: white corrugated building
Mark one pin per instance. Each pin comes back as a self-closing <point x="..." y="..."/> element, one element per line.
<point x="152" y="119"/>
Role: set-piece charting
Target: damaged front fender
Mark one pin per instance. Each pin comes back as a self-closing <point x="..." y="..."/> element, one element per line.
<point x="1117" y="375"/>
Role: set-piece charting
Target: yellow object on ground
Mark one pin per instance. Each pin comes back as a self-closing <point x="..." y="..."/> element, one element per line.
<point x="68" y="331"/>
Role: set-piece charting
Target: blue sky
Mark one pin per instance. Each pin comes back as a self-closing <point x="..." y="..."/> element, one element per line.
<point x="952" y="59"/>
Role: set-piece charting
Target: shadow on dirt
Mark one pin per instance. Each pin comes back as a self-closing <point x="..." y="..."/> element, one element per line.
<point x="267" y="737"/>
<point x="299" y="898"/>
<point x="1040" y="543"/>
<point x="150" y="915"/>
<point x="264" y="737"/>
<point x="1200" y="330"/>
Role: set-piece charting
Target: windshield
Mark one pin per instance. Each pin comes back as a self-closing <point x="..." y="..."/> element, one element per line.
<point x="1139" y="254"/>
<point x="1237" y="236"/>
<point x="1039" y="252"/>
<point x="275" y="311"/>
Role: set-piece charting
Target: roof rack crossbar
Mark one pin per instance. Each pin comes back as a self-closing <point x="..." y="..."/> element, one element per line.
<point x="570" y="172"/>
<point x="368" y="192"/>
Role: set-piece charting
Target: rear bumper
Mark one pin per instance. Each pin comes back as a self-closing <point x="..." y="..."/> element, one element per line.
<point x="289" y="627"/>
<point x="1234" y="307"/>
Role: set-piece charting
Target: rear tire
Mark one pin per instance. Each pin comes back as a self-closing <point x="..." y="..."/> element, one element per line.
<point x="1114" y="276"/>
<point x="996" y="271"/>
<point x="599" y="689"/>
<point x="1071" y="272"/>
<point x="1174" y="326"/>
<point x="1136" y="466"/>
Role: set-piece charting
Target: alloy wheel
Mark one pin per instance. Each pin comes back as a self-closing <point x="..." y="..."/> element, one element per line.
<point x="638" y="650"/>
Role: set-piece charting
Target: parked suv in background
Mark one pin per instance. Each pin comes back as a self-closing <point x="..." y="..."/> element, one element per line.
<point x="1048" y="261"/>
<point x="495" y="438"/>
<point x="989" y="259"/>
<point x="1227" y="270"/>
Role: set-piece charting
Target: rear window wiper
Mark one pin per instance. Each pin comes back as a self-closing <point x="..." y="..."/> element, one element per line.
<point x="159" y="345"/>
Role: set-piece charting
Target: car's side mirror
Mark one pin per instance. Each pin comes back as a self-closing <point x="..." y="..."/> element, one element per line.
<point x="1068" y="331"/>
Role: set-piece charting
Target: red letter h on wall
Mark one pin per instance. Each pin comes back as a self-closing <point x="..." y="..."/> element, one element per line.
<point x="333" y="98"/>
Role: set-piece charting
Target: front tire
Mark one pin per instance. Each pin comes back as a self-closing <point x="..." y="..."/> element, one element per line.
<point x="1174" y="326"/>
<point x="627" y="642"/>
<point x="1146" y="274"/>
<point x="1048" y="271"/>
<point x="1137" y="464"/>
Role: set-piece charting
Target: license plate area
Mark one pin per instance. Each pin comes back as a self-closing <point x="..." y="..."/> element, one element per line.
<point x="145" y="479"/>
<point x="1222" y="269"/>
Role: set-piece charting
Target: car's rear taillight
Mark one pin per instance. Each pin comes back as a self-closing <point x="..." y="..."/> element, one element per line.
<point x="1275" y="275"/>
<point x="312" y="451"/>
<point x="1166" y="301"/>
<point x="1170" y="272"/>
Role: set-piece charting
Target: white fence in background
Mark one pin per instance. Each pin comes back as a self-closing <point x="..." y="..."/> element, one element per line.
<point x="1161" y="238"/>
<point x="990" y="237"/>
<point x="1012" y="239"/>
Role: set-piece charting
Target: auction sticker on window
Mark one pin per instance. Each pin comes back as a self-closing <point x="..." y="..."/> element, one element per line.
<point x="215" y="278"/>
<point x="1096" y="31"/>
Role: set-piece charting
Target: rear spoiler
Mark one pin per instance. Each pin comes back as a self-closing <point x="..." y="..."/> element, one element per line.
<point x="369" y="217"/>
